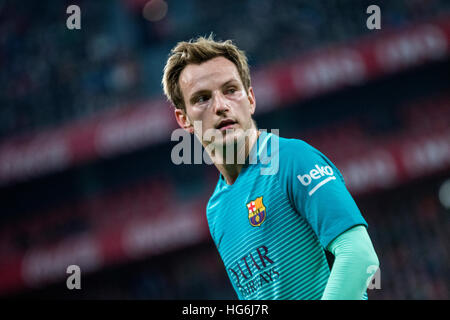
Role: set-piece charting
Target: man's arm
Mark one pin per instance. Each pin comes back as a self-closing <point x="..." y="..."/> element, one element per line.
<point x="354" y="254"/>
<point x="317" y="191"/>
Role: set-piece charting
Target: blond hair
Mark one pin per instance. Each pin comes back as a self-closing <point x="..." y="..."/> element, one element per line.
<point x="197" y="51"/>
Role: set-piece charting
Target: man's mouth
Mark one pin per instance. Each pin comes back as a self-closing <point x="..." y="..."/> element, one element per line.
<point x="225" y="124"/>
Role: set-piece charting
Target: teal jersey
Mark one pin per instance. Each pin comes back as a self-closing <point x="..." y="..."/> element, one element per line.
<point x="272" y="225"/>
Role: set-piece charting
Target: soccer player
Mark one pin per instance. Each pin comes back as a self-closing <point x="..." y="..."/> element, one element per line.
<point x="271" y="228"/>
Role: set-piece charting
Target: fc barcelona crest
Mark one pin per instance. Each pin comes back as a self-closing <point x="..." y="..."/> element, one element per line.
<point x="256" y="212"/>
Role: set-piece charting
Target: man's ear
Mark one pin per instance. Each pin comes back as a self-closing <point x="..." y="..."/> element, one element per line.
<point x="183" y="120"/>
<point x="251" y="99"/>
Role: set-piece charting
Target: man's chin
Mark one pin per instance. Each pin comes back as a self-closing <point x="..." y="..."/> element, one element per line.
<point x="230" y="144"/>
<point x="235" y="139"/>
<point x="225" y="140"/>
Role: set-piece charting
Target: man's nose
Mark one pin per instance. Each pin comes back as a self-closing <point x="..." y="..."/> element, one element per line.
<point x="220" y="104"/>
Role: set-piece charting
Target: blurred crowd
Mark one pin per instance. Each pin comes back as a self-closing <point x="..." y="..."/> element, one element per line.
<point x="410" y="233"/>
<point x="52" y="75"/>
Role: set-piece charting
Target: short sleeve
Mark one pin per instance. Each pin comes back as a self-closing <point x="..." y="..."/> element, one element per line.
<point x="316" y="190"/>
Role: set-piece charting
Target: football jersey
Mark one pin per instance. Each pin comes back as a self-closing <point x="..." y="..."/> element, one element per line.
<point x="272" y="225"/>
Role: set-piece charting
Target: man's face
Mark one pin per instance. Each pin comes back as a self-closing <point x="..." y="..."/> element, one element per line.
<point x="214" y="94"/>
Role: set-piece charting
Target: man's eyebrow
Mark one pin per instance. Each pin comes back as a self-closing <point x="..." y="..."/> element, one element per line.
<point x="229" y="82"/>
<point x="199" y="92"/>
<point x="203" y="91"/>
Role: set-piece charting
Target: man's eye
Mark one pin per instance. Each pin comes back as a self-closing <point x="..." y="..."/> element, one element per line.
<point x="201" y="99"/>
<point x="231" y="90"/>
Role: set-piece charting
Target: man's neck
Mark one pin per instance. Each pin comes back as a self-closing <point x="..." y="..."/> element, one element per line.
<point x="230" y="171"/>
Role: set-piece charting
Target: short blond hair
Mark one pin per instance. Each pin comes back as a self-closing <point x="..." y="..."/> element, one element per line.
<point x="197" y="51"/>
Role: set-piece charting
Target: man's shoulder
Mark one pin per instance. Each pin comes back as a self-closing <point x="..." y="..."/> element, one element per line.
<point x="295" y="150"/>
<point x="286" y="143"/>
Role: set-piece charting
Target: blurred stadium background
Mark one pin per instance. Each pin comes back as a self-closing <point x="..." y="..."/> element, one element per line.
<point x="85" y="171"/>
